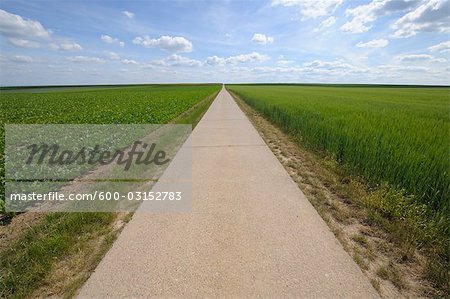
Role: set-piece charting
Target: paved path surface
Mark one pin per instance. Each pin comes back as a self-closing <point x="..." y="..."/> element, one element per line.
<point x="251" y="231"/>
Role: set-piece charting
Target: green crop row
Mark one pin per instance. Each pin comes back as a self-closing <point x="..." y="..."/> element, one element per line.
<point x="394" y="135"/>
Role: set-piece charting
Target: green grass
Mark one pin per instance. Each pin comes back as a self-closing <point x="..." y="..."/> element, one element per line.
<point x="394" y="135"/>
<point x="26" y="264"/>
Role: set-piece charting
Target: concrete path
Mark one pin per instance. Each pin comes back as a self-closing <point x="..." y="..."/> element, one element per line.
<point x="251" y="231"/>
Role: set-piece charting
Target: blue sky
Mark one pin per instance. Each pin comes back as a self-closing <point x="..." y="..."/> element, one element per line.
<point x="330" y="41"/>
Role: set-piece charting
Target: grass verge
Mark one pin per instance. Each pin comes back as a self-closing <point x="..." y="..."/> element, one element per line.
<point x="27" y="264"/>
<point x="378" y="226"/>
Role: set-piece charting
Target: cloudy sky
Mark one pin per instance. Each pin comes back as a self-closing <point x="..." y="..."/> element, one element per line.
<point x="339" y="41"/>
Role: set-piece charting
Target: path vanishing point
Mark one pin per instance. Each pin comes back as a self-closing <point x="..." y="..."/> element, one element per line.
<point x="251" y="231"/>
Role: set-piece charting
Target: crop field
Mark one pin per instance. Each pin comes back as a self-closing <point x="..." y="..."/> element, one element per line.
<point x="102" y="105"/>
<point x="385" y="134"/>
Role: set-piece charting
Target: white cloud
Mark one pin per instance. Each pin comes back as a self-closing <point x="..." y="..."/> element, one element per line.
<point x="400" y="68"/>
<point x="418" y="57"/>
<point x="251" y="57"/>
<point x="242" y="58"/>
<point x="310" y="9"/>
<point x="165" y="42"/>
<point x="336" y="64"/>
<point x="23" y="43"/>
<point x="215" y="60"/>
<point x="313" y="69"/>
<point x="112" y="55"/>
<point x="227" y="35"/>
<point x="177" y="60"/>
<point x="363" y="15"/>
<point x="68" y="46"/>
<point x="332" y="68"/>
<point x="158" y="62"/>
<point x="376" y="43"/>
<point x="328" y="22"/>
<point x="357" y="25"/>
<point x="174" y="60"/>
<point x="262" y="39"/>
<point x="22" y="59"/>
<point x="129" y="61"/>
<point x="284" y="62"/>
<point x="111" y="40"/>
<point x="128" y="14"/>
<point x="15" y="26"/>
<point x="442" y="47"/>
<point x="431" y="16"/>
<point x="85" y="59"/>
